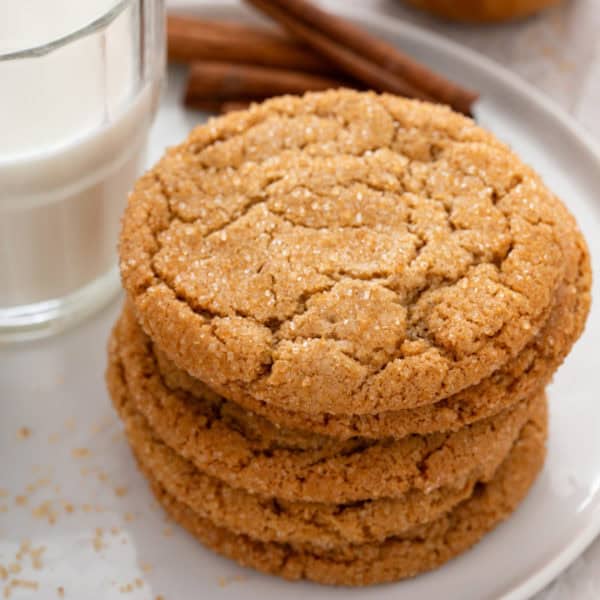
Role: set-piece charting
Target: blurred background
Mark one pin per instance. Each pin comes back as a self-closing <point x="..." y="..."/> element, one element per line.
<point x="557" y="50"/>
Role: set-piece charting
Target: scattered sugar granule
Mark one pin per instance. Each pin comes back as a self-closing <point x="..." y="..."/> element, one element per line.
<point x="23" y="433"/>
<point x="38" y="484"/>
<point x="98" y="542"/>
<point x="45" y="511"/>
<point x="80" y="452"/>
<point x="36" y="557"/>
<point x="23" y="550"/>
<point x="19" y="583"/>
<point x="120" y="491"/>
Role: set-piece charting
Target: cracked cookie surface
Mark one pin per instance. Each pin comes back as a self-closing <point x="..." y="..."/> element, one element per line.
<point x="249" y="452"/>
<point x="519" y="378"/>
<point x="420" y="549"/>
<point x="343" y="252"/>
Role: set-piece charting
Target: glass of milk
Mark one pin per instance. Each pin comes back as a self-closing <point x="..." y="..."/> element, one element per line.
<point x="79" y="84"/>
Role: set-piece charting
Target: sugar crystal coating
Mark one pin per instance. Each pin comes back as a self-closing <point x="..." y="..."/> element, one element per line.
<point x="343" y="252"/>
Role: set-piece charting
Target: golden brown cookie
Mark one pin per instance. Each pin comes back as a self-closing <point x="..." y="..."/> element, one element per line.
<point x="344" y="252"/>
<point x="519" y="378"/>
<point x="311" y="467"/>
<point x="420" y="549"/>
<point x="483" y="11"/>
<point x="269" y="519"/>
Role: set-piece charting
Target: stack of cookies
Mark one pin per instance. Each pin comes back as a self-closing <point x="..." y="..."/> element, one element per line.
<point x="342" y="312"/>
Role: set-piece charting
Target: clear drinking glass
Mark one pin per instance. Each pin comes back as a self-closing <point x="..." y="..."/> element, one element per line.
<point x="79" y="88"/>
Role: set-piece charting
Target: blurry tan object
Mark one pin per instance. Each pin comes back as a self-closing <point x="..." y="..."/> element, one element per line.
<point x="482" y="11"/>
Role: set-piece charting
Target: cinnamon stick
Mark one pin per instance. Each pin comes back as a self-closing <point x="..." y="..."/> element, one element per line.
<point x="190" y="39"/>
<point x="352" y="49"/>
<point x="348" y="61"/>
<point x="211" y="106"/>
<point x="214" y="106"/>
<point x="216" y="81"/>
<point x="232" y="105"/>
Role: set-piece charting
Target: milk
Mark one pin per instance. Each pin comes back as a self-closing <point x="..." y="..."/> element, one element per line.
<point x="73" y="129"/>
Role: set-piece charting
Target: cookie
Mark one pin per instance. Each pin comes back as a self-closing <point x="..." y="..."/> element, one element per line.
<point x="268" y="519"/>
<point x="343" y="252"/>
<point x="529" y="371"/>
<point x="420" y="549"/>
<point x="267" y="465"/>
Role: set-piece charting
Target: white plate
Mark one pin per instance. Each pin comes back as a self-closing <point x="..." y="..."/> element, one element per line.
<point x="55" y="388"/>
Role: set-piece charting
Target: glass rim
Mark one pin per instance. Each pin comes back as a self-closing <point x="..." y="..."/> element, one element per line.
<point x="99" y="23"/>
